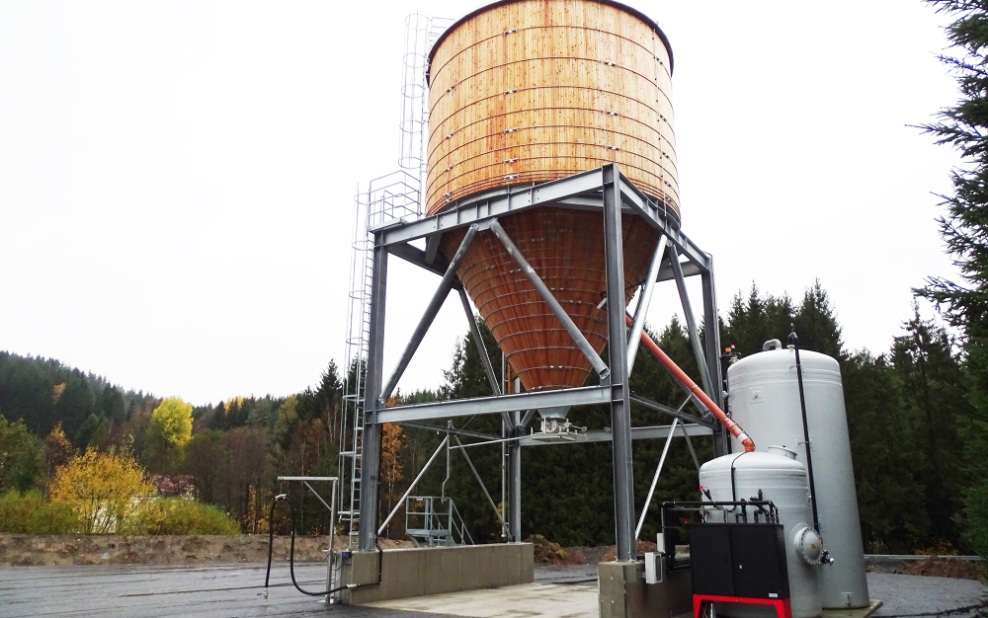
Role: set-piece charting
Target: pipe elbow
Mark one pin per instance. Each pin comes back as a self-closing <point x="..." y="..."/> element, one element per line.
<point x="747" y="443"/>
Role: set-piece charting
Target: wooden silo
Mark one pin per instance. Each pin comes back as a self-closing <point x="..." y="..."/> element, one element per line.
<point x="527" y="91"/>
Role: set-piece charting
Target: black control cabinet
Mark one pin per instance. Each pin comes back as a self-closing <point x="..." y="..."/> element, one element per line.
<point x="743" y="560"/>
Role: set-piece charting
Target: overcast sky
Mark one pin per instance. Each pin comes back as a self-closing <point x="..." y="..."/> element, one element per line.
<point x="177" y="178"/>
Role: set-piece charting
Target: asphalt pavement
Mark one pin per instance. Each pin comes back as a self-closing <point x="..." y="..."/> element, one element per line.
<point x="238" y="590"/>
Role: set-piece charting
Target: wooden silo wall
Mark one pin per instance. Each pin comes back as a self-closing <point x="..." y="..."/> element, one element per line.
<point x="537" y="90"/>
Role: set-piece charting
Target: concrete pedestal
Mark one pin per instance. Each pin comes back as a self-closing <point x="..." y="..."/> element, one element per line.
<point x="624" y="593"/>
<point x="433" y="570"/>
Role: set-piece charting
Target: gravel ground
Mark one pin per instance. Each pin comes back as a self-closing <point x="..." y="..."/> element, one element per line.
<point x="914" y="595"/>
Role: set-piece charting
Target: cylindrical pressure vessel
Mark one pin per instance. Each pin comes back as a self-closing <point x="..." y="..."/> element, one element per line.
<point x="764" y="399"/>
<point x="528" y="91"/>
<point x="783" y="481"/>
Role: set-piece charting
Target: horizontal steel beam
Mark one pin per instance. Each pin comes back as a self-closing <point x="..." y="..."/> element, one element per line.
<point x="587" y="395"/>
<point x="686" y="418"/>
<point x="657" y="213"/>
<point x="689" y="269"/>
<point x="603" y="435"/>
<point x="452" y="430"/>
<point x="420" y="258"/>
<point x="474" y="209"/>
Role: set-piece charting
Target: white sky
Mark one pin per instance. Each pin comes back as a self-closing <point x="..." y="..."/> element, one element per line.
<point x="177" y="178"/>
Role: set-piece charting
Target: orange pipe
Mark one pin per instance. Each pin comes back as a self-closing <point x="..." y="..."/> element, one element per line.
<point x="696" y="391"/>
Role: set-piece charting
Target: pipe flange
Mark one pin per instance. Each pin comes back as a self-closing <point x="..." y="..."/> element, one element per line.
<point x="808" y="545"/>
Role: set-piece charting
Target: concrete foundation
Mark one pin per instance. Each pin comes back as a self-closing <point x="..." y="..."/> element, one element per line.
<point x="624" y="594"/>
<point x="434" y="570"/>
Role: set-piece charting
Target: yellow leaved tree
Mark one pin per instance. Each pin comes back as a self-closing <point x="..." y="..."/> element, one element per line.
<point x="104" y="488"/>
<point x="171" y="422"/>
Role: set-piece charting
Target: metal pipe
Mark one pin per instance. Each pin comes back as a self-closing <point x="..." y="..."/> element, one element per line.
<point x="504" y="526"/>
<point x="655" y="479"/>
<point x="485" y="360"/>
<point x="644" y="300"/>
<point x="697" y="392"/>
<point x="546" y="294"/>
<point x="408" y="492"/>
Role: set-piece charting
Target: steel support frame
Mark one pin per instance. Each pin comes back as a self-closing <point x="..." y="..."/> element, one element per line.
<point x="603" y="190"/>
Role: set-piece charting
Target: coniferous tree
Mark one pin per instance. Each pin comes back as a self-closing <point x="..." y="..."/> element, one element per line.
<point x="964" y="229"/>
<point x="815" y="323"/>
<point x="936" y="398"/>
<point x="752" y="322"/>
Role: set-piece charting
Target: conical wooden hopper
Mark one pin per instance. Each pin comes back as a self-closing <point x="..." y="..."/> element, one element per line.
<point x="566" y="248"/>
<point x="527" y="91"/>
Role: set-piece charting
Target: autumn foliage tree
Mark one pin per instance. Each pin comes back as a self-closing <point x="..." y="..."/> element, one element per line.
<point x="171" y="421"/>
<point x="392" y="442"/>
<point x="105" y="488"/>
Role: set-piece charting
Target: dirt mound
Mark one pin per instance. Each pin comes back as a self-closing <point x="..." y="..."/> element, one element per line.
<point x="642" y="548"/>
<point x="547" y="552"/>
<point x="944" y="567"/>
<point x="24" y="550"/>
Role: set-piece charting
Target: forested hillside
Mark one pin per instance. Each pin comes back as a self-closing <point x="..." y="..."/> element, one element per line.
<point x="906" y="409"/>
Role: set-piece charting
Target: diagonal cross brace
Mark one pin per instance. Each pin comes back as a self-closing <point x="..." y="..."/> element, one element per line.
<point x="449" y="278"/>
<point x="546" y="294"/>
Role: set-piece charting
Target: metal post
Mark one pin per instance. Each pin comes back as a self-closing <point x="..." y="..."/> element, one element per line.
<point x="711" y="327"/>
<point x="617" y="346"/>
<point x="371" y="455"/>
<point x="514" y="481"/>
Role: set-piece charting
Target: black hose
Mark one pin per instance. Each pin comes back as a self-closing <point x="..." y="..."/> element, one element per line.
<point x="267" y="575"/>
<point x="794" y="341"/>
<point x="291" y="555"/>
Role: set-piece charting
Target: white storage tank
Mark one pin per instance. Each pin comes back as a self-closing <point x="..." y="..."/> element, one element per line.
<point x="764" y="399"/>
<point x="783" y="481"/>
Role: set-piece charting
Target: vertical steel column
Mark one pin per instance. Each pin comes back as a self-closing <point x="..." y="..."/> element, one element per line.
<point x="617" y="350"/>
<point x="711" y="328"/>
<point x="371" y="453"/>
<point x="514" y="480"/>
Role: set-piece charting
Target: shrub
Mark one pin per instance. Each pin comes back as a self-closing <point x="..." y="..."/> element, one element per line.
<point x="179" y="516"/>
<point x="31" y="513"/>
<point x="104" y="488"/>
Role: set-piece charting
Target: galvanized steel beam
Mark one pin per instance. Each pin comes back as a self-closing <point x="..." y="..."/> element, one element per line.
<point x="546" y="295"/>
<point x="706" y="380"/>
<point x="617" y="347"/>
<point x="371" y="454"/>
<point x="656" y="432"/>
<point x="431" y="311"/>
<point x="584" y="396"/>
<point x="644" y="300"/>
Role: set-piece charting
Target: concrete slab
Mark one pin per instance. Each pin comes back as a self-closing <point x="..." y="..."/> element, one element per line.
<point x="525" y="601"/>
<point x="237" y="590"/>
<point x="861" y="612"/>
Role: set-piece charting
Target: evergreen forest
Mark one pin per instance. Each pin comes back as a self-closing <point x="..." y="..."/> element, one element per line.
<point x="917" y="411"/>
<point x="907" y="410"/>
